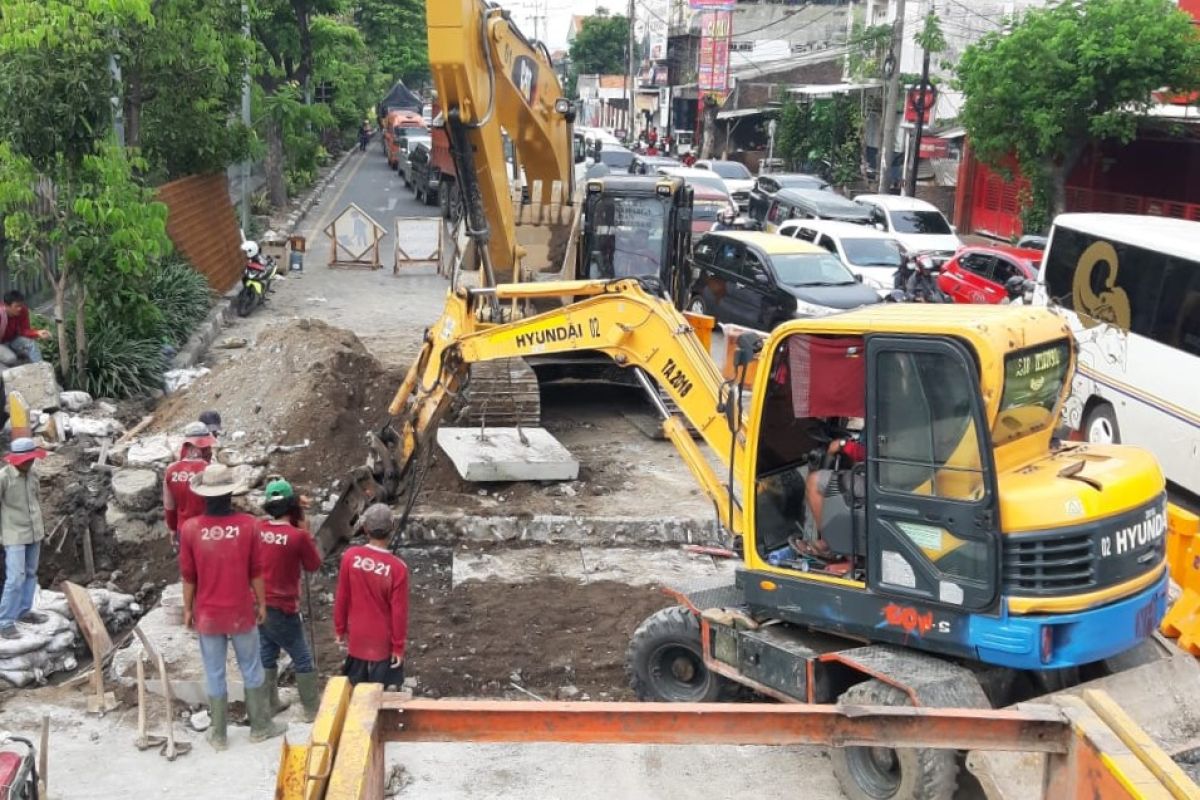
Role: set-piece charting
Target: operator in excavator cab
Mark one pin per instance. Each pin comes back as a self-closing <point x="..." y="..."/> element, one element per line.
<point x="829" y="493"/>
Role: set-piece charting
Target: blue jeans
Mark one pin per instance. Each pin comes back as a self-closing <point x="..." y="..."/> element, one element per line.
<point x="284" y="631"/>
<point x="20" y="581"/>
<point x="213" y="648"/>
<point x="12" y="352"/>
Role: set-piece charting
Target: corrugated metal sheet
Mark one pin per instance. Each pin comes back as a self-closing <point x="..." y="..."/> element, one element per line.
<point x="202" y="224"/>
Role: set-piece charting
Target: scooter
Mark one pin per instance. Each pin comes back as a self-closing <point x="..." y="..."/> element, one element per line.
<point x="916" y="282"/>
<point x="256" y="281"/>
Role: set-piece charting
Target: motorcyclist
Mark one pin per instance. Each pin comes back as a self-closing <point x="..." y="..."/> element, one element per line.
<point x="1017" y="289"/>
<point x="921" y="285"/>
<point x="725" y="221"/>
<point x="364" y="135"/>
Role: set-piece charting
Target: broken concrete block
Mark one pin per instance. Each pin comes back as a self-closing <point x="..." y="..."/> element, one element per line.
<point x="74" y="401"/>
<point x="136" y="489"/>
<point x="500" y="454"/>
<point x="90" y="426"/>
<point x="36" y="383"/>
<point x="249" y="476"/>
<point x="151" y="450"/>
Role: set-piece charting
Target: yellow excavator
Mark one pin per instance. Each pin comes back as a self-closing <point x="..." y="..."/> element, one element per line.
<point x="495" y="88"/>
<point x="968" y="560"/>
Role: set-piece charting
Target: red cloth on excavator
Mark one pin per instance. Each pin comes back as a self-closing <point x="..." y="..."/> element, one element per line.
<point x="828" y="376"/>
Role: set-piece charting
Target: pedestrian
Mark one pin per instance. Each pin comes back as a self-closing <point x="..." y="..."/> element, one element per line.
<point x="286" y="550"/>
<point x="22" y="531"/>
<point x="180" y="503"/>
<point x="18" y="337"/>
<point x="212" y="421"/>
<point x="364" y="135"/>
<point x="370" y="610"/>
<point x="224" y="600"/>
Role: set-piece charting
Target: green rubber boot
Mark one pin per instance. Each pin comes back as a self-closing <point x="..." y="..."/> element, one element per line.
<point x="310" y="694"/>
<point x="272" y="684"/>
<point x="218" y="710"/>
<point x="258" y="709"/>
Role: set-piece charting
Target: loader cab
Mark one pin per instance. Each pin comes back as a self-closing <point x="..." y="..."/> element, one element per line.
<point x="636" y="227"/>
<point x="916" y="518"/>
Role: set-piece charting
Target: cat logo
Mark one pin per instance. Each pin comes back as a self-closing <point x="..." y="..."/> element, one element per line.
<point x="524" y="77"/>
<point x="1106" y="303"/>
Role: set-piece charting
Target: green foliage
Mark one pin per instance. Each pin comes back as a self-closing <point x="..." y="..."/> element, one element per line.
<point x="182" y="78"/>
<point x="394" y="31"/>
<point x="822" y="137"/>
<point x="868" y="47"/>
<point x="118" y="365"/>
<point x="183" y="297"/>
<point x="930" y="37"/>
<point x="600" y="45"/>
<point x="1071" y="72"/>
<point x="344" y="62"/>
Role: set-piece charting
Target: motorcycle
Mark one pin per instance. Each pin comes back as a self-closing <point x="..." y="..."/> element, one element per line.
<point x="256" y="280"/>
<point x="916" y="282"/>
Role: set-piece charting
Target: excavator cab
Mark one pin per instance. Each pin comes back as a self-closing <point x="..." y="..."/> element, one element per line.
<point x="635" y="227"/>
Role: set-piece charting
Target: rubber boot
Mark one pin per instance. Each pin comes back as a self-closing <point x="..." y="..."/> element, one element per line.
<point x="218" y="711"/>
<point x="258" y="709"/>
<point x="272" y="684"/>
<point x="310" y="694"/>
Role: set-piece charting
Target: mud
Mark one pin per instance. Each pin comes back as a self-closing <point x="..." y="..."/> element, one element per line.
<point x="474" y="639"/>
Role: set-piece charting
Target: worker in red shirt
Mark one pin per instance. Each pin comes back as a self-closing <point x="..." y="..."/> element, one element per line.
<point x="370" y="610"/>
<point x="826" y="484"/>
<point x="286" y="549"/>
<point x="224" y="599"/>
<point x="18" y="337"/>
<point x="180" y="503"/>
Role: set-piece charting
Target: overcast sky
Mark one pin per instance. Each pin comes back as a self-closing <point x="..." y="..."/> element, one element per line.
<point x="553" y="30"/>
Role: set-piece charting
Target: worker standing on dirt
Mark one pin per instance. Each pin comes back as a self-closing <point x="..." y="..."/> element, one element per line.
<point x="22" y="531"/>
<point x="286" y="550"/>
<point x="180" y="503"/>
<point x="370" y="610"/>
<point x="220" y="560"/>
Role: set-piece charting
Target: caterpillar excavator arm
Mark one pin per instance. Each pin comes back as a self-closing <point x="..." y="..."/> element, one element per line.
<point x="490" y="80"/>
<point x="626" y="320"/>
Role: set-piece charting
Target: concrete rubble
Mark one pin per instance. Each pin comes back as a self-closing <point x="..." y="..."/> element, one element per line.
<point x="36" y="384"/>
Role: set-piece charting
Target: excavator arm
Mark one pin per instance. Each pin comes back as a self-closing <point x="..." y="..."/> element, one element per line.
<point x="489" y="77"/>
<point x="637" y="328"/>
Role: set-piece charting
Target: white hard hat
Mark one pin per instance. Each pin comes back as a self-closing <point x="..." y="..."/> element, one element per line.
<point x="250" y="248"/>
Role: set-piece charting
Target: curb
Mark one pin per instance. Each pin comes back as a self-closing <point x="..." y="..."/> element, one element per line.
<point x="430" y="528"/>
<point x="310" y="200"/>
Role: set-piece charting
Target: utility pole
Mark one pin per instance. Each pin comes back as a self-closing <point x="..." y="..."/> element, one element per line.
<point x="630" y="79"/>
<point x="246" y="122"/>
<point x="887" y="137"/>
<point x="919" y="128"/>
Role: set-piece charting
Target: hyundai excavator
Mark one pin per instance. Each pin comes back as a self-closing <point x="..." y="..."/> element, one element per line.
<point x="495" y="88"/>
<point x="973" y="560"/>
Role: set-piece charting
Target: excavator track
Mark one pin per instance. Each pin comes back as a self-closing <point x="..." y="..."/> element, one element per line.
<point x="502" y="393"/>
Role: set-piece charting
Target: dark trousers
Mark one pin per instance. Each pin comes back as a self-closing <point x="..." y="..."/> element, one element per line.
<point x="359" y="671"/>
<point x="283" y="631"/>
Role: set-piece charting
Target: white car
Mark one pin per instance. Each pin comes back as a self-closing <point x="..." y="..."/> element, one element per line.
<point x="699" y="177"/>
<point x="919" y="226"/>
<point x="869" y="253"/>
<point x="738" y="179"/>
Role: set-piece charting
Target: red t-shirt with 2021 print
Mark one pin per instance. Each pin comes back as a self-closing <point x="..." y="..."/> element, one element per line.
<point x="371" y="604"/>
<point x="221" y="555"/>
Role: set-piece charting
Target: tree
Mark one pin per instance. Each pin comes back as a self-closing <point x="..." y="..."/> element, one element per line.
<point x="822" y="136"/>
<point x="394" y="32"/>
<point x="182" y="76"/>
<point x="1062" y="76"/>
<point x="599" y="47"/>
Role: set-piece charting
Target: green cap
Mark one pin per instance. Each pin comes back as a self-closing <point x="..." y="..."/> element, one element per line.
<point x="279" y="489"/>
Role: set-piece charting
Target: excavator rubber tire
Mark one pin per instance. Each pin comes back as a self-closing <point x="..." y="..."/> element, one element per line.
<point x="914" y="774"/>
<point x="665" y="661"/>
<point x="502" y="394"/>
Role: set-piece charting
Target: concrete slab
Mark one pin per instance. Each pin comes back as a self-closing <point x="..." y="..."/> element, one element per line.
<point x="499" y="454"/>
<point x="635" y="566"/>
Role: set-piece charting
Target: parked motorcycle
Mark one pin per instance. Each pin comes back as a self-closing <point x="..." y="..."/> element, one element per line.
<point x="256" y="279"/>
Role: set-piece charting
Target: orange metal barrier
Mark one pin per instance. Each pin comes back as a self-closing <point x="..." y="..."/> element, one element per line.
<point x="1182" y="620"/>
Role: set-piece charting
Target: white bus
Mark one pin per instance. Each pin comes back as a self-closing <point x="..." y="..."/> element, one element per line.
<point x="1129" y="287"/>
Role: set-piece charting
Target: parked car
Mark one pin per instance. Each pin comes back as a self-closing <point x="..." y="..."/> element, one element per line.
<point x="1032" y="242"/>
<point x="760" y="280"/>
<point x="648" y="165"/>
<point x="979" y="274"/>
<point x="697" y="177"/>
<point x="425" y="180"/>
<point x="767" y="185"/>
<point x="918" y="225"/>
<point x="737" y="178"/>
<point x="406" y="141"/>
<point x="707" y="204"/>
<point x="812" y="204"/>
<point x="871" y="254"/>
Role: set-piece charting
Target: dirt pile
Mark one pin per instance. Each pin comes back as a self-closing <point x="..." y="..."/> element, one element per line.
<point x="299" y="400"/>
